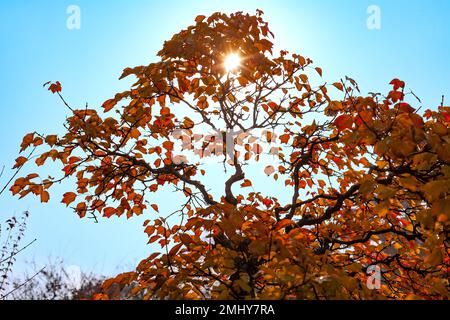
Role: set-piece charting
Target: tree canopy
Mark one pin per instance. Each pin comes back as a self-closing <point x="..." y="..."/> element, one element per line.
<point x="368" y="176"/>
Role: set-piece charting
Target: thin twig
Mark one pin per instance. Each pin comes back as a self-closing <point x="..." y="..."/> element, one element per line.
<point x="18" y="251"/>
<point x="17" y="288"/>
<point x="65" y="102"/>
<point x="16" y="173"/>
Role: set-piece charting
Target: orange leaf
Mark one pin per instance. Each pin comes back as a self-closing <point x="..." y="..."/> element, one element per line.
<point x="165" y="111"/>
<point x="283" y="224"/>
<point x="319" y="71"/>
<point x="81" y="209"/>
<point x="109" y="104"/>
<point x="27" y="140"/>
<point x="168" y="145"/>
<point x="246" y="183"/>
<point x="37" y="142"/>
<point x="199" y="18"/>
<point x="322" y="183"/>
<point x="51" y="140"/>
<point x="153" y="239"/>
<point x="68" y="198"/>
<point x="188" y="123"/>
<point x="339" y="86"/>
<point x="135" y="133"/>
<point x="242" y="81"/>
<point x="302" y="184"/>
<point x="20" y="162"/>
<point x="44" y="196"/>
<point x="149" y="230"/>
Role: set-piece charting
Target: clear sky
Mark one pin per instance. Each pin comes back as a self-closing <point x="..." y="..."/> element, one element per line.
<point x="36" y="46"/>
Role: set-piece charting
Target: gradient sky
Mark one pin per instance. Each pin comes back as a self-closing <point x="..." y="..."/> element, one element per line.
<point x="36" y="46"/>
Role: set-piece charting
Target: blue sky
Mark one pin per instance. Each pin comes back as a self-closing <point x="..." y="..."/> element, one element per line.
<point x="36" y="46"/>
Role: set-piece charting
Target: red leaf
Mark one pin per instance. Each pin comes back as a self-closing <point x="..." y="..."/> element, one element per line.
<point x="175" y="249"/>
<point x="428" y="114"/>
<point x="285" y="138"/>
<point x="446" y="116"/>
<point x="168" y="145"/>
<point x="344" y="122"/>
<point x="405" y="107"/>
<point x="246" y="183"/>
<point x="55" y="87"/>
<point x="185" y="238"/>
<point x="109" y="212"/>
<point x="396" y="96"/>
<point x="153" y="239"/>
<point x="267" y="202"/>
<point x="397" y="84"/>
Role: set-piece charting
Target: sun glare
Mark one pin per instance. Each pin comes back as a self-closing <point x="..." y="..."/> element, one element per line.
<point x="232" y="62"/>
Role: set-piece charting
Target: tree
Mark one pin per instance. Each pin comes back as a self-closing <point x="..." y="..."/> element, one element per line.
<point x="55" y="282"/>
<point x="12" y="232"/>
<point x="11" y="236"/>
<point x="368" y="176"/>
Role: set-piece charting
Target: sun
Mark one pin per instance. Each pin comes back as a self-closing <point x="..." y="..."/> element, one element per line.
<point x="232" y="62"/>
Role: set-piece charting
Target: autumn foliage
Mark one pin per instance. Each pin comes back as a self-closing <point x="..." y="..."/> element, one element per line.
<point x="368" y="176"/>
